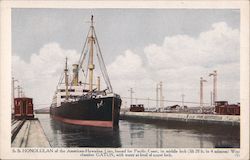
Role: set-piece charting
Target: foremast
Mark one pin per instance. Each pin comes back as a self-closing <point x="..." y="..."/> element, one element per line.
<point x="66" y="80"/>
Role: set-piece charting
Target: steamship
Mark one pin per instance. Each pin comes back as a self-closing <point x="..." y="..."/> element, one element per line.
<point x="84" y="102"/>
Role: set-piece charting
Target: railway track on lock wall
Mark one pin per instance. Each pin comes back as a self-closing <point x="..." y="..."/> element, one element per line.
<point x="16" y="125"/>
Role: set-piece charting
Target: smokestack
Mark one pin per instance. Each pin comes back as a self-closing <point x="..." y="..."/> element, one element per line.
<point x="75" y="74"/>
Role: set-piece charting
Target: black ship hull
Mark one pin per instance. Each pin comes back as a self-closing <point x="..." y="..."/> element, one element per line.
<point x="102" y="112"/>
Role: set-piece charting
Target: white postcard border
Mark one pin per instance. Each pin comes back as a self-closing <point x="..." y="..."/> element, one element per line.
<point x="5" y="68"/>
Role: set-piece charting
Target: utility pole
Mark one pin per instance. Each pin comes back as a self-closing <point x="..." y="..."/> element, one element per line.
<point x="13" y="93"/>
<point x="125" y="105"/>
<point x="131" y="96"/>
<point x="161" y="96"/>
<point x="214" y="74"/>
<point x="157" y="88"/>
<point x="22" y="92"/>
<point x="201" y="93"/>
<point x="182" y="100"/>
<point x="19" y="91"/>
<point x="211" y="98"/>
<point x="148" y="102"/>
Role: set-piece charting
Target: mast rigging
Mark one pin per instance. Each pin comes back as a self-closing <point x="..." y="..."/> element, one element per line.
<point x="93" y="44"/>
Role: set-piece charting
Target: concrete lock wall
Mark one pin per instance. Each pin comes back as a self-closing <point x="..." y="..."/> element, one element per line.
<point x="208" y="118"/>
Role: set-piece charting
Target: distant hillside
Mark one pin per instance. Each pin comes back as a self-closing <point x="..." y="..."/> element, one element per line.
<point x="42" y="111"/>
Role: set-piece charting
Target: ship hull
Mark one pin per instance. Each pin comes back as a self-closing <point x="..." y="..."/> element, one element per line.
<point x="101" y="112"/>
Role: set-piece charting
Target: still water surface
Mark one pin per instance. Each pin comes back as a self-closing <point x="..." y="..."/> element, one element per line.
<point x="134" y="134"/>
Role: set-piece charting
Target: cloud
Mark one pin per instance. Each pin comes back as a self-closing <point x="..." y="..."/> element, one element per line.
<point x="129" y="65"/>
<point x="125" y="70"/>
<point x="179" y="62"/>
<point x="216" y="46"/>
<point x="40" y="75"/>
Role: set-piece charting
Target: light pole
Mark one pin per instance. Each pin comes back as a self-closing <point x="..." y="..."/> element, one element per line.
<point x="201" y="93"/>
<point x="161" y="95"/>
<point x="214" y="74"/>
<point x="148" y="102"/>
<point x="131" y="95"/>
<point x="157" y="101"/>
<point x="182" y="100"/>
<point x="211" y="98"/>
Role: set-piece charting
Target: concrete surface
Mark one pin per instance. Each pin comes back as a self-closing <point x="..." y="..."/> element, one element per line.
<point x="208" y="118"/>
<point x="31" y="135"/>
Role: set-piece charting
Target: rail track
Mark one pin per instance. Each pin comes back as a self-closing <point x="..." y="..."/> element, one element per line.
<point x="28" y="133"/>
<point x="16" y="125"/>
<point x="13" y="121"/>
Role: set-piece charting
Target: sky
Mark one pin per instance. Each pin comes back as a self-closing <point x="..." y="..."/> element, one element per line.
<point x="141" y="47"/>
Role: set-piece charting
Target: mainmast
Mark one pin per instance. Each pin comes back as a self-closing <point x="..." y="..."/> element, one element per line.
<point x="91" y="42"/>
<point x="66" y="80"/>
<point x="91" y="55"/>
